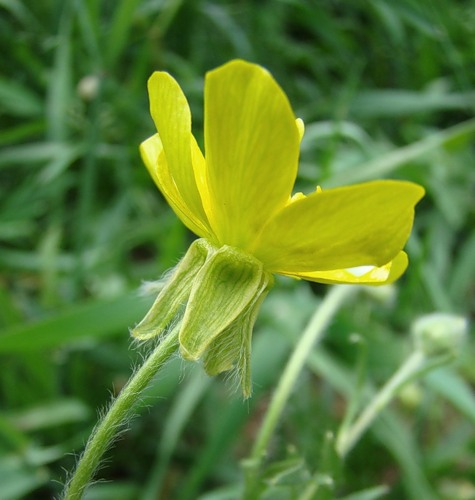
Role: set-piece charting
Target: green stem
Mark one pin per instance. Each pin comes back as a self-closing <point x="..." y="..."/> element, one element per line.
<point x="416" y="365"/>
<point x="413" y="365"/>
<point x="313" y="333"/>
<point x="119" y="412"/>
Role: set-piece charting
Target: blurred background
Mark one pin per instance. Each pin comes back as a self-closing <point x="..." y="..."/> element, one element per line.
<point x="386" y="89"/>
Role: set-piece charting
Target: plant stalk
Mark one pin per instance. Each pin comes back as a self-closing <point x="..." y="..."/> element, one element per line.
<point x="312" y="334"/>
<point x="415" y="365"/>
<point x="117" y="415"/>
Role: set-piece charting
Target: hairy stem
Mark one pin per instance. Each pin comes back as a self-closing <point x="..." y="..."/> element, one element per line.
<point x="117" y="415"/>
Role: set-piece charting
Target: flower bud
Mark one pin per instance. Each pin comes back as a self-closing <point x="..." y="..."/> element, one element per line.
<point x="439" y="334"/>
<point x="88" y="87"/>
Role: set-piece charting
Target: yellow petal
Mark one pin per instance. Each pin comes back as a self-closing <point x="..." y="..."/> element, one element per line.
<point x="252" y="146"/>
<point x="364" y="275"/>
<point x="301" y="127"/>
<point x="364" y="224"/>
<point x="171" y="115"/>
<point x="152" y="154"/>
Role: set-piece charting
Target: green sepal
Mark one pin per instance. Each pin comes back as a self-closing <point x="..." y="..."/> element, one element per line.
<point x="222" y="290"/>
<point x="232" y="348"/>
<point x="175" y="293"/>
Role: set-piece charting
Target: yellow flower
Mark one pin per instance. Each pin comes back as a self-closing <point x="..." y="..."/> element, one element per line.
<point x="238" y="199"/>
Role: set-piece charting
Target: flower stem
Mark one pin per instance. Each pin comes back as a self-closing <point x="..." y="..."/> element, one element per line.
<point x="120" y="410"/>
<point x="313" y="333"/>
<point x="415" y="365"/>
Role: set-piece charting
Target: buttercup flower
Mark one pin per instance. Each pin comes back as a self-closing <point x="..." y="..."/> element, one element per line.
<point x="238" y="200"/>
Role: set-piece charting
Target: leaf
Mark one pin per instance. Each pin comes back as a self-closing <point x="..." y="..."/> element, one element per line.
<point x="97" y="318"/>
<point x="453" y="388"/>
<point x="18" y="100"/>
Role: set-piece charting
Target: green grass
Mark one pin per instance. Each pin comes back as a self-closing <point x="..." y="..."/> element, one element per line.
<point x="386" y="90"/>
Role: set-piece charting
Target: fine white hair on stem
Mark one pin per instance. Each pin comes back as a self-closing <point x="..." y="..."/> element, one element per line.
<point x="117" y="415"/>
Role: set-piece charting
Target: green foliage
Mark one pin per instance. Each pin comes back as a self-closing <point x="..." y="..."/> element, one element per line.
<point x="386" y="90"/>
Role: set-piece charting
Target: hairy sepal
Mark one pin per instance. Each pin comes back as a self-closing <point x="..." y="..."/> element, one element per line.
<point x="225" y="286"/>
<point x="175" y="293"/>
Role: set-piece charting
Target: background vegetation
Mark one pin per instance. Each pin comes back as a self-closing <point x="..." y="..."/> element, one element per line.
<point x="386" y="90"/>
